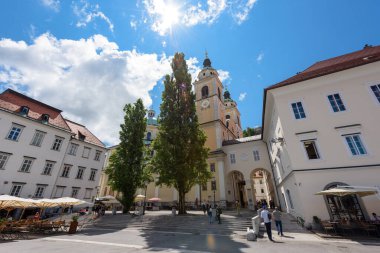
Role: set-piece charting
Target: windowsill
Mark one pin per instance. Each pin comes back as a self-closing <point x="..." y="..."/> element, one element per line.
<point x="45" y="174"/>
<point x="65" y="177"/>
<point x="11" y="140"/>
<point x="24" y="171"/>
<point x="85" y="157"/>
<point x="38" y="146"/>
<point x="72" y="154"/>
<point x="79" y="178"/>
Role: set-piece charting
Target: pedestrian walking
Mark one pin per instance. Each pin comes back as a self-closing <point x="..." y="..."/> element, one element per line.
<point x="204" y="208"/>
<point x="209" y="213"/>
<point x="277" y="219"/>
<point x="266" y="216"/>
<point x="218" y="214"/>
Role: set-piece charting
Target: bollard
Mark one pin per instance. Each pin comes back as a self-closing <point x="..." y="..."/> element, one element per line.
<point x="256" y="224"/>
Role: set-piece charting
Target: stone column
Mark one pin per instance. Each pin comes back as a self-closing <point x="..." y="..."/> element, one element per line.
<point x="222" y="186"/>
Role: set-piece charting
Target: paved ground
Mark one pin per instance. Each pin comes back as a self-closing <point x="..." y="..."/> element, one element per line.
<point x="161" y="232"/>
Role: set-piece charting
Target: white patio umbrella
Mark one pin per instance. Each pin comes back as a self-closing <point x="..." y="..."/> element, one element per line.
<point x="343" y="191"/>
<point x="9" y="203"/>
<point x="67" y="201"/>
<point x="139" y="197"/>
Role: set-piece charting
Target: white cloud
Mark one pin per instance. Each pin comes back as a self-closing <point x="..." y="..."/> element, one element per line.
<point x="197" y="14"/>
<point x="164" y="14"/>
<point x="242" y="96"/>
<point x="240" y="9"/>
<point x="87" y="13"/>
<point x="133" y="24"/>
<point x="90" y="80"/>
<point x="163" y="43"/>
<point x="52" y="4"/>
<point x="223" y="75"/>
<point x="260" y="57"/>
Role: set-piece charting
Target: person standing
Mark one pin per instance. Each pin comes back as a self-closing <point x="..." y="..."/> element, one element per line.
<point x="277" y="219"/>
<point x="266" y="217"/>
<point x="237" y="203"/>
<point x="209" y="213"/>
<point x="204" y="207"/>
<point x="218" y="213"/>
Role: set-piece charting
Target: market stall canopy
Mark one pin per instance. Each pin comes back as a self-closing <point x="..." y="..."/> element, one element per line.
<point x="67" y="201"/>
<point x="11" y="202"/>
<point x="45" y="203"/>
<point x="343" y="191"/>
<point x="108" y="200"/>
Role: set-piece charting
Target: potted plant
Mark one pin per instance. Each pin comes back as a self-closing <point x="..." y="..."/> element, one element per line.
<point x="73" y="225"/>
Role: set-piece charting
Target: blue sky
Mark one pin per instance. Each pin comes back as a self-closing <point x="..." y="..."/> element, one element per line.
<point x="89" y="58"/>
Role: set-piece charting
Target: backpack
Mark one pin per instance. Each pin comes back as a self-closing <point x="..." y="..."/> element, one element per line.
<point x="269" y="216"/>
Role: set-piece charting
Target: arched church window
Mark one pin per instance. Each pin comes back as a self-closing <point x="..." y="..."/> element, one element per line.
<point x="219" y="94"/>
<point x="204" y="91"/>
<point x="148" y="136"/>
<point x="228" y="123"/>
<point x="228" y="116"/>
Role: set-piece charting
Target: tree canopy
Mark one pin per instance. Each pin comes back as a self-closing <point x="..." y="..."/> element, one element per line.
<point x="180" y="158"/>
<point x="127" y="162"/>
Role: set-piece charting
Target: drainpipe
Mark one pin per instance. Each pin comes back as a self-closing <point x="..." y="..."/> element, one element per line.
<point x="274" y="180"/>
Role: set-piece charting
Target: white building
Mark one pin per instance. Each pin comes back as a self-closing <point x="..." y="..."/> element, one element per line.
<point x="321" y="129"/>
<point x="43" y="155"/>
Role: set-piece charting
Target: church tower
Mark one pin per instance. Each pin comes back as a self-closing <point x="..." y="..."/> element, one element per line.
<point x="210" y="105"/>
<point x="219" y="118"/>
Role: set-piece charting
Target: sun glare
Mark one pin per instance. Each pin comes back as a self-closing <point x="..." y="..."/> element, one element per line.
<point x="170" y="16"/>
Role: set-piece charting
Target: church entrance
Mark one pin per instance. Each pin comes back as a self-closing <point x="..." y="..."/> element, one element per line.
<point x="238" y="183"/>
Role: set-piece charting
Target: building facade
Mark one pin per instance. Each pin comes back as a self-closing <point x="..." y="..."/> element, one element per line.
<point x="43" y="155"/>
<point x="319" y="131"/>
<point x="320" y="128"/>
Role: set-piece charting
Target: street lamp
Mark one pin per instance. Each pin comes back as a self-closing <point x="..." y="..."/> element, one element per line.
<point x="146" y="186"/>
<point x="213" y="187"/>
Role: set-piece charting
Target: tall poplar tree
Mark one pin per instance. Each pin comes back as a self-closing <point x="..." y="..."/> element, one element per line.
<point x="180" y="158"/>
<point x="126" y="164"/>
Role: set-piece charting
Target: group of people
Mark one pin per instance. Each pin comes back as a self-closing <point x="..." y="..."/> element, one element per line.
<point x="267" y="217"/>
<point x="218" y="212"/>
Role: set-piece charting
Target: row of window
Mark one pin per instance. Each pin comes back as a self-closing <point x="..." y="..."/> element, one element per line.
<point x="353" y="141"/>
<point x="16" y="129"/>
<point x="256" y="156"/>
<point x="27" y="163"/>
<point x="16" y="190"/>
<point x="334" y="100"/>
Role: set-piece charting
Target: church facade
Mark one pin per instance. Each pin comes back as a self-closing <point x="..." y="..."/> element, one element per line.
<point x="319" y="130"/>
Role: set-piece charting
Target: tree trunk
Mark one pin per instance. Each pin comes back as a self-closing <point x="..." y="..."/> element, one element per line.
<point x="181" y="203"/>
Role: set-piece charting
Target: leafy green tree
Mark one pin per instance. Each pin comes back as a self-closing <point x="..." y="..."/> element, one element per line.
<point x="180" y="158"/>
<point x="251" y="131"/>
<point x="248" y="132"/>
<point x="126" y="165"/>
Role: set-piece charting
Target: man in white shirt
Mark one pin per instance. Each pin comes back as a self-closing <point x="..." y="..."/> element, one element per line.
<point x="266" y="216"/>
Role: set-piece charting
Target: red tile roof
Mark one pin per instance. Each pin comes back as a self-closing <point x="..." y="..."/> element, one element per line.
<point x="367" y="55"/>
<point x="78" y="129"/>
<point x="12" y="101"/>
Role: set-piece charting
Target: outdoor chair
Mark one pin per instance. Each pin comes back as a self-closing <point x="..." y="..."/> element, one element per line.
<point x="368" y="228"/>
<point x="327" y="227"/>
<point x="346" y="228"/>
<point x="85" y="222"/>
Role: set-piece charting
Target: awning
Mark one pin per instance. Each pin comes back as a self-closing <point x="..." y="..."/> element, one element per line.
<point x="362" y="192"/>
